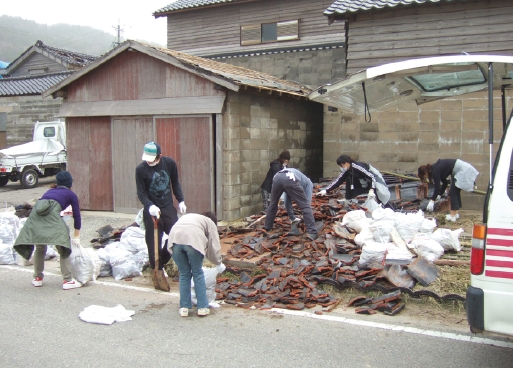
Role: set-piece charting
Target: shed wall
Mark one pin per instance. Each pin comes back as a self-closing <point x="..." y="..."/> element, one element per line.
<point x="431" y="29"/>
<point x="23" y="112"/>
<point x="256" y="129"/>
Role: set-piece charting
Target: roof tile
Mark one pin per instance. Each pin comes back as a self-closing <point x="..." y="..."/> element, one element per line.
<point x="340" y="7"/>
<point x="30" y="85"/>
<point x="188" y="4"/>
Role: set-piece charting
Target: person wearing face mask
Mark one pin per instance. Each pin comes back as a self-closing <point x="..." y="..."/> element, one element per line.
<point x="463" y="176"/>
<point x="360" y="178"/>
<point x="157" y="181"/>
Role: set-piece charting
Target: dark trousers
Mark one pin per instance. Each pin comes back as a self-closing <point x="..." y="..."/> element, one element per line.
<point x="168" y="218"/>
<point x="281" y="183"/>
<point x="454" y="195"/>
<point x="356" y="190"/>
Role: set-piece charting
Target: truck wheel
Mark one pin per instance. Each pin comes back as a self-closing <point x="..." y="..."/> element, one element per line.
<point x="3" y="181"/>
<point x="29" y="178"/>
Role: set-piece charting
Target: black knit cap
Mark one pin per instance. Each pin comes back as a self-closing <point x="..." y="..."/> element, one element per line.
<point x="64" y="178"/>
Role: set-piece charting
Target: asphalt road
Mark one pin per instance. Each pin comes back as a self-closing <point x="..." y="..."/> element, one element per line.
<point x="39" y="327"/>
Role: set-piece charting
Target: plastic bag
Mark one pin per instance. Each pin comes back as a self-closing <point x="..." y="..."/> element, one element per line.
<point x="373" y="252"/>
<point x="353" y="216"/>
<point x="448" y="239"/>
<point x="370" y="204"/>
<point x="381" y="230"/>
<point x="82" y="265"/>
<point x="133" y="239"/>
<point x="428" y="225"/>
<point x="210" y="282"/>
<point x="426" y="247"/>
<point x="139" y="219"/>
<point x="105" y="267"/>
<point x="364" y="236"/>
<point x="104" y="315"/>
<point x="123" y="264"/>
<point x="408" y="225"/>
<point x="9" y="227"/>
<point x="6" y="254"/>
<point x="141" y="259"/>
<point x="381" y="213"/>
<point x="50" y="252"/>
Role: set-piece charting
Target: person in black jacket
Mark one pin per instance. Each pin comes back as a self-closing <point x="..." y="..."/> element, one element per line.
<point x="360" y="178"/>
<point x="157" y="181"/>
<point x="279" y="164"/>
<point x="463" y="176"/>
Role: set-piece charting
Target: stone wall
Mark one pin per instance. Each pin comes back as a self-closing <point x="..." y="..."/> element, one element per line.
<point x="310" y="68"/>
<point x="402" y="138"/>
<point x="23" y="112"/>
<point x="256" y="128"/>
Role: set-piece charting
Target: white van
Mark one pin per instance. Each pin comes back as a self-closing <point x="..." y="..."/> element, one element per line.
<point x="490" y="296"/>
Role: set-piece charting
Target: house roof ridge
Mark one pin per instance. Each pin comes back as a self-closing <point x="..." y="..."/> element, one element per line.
<point x="344" y="7"/>
<point x="181" y="5"/>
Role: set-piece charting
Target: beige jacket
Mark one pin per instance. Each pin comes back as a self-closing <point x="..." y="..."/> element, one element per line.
<point x="199" y="232"/>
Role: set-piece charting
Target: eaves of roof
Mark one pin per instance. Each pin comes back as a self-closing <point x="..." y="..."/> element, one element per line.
<point x="344" y="8"/>
<point x="183" y="5"/>
<point x="30" y="85"/>
<point x="226" y="75"/>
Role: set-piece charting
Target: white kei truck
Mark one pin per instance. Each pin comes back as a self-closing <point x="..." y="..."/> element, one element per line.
<point x="44" y="156"/>
<point x="489" y="299"/>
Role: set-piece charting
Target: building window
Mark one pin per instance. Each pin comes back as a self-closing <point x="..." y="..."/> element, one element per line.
<point x="37" y="71"/>
<point x="254" y="34"/>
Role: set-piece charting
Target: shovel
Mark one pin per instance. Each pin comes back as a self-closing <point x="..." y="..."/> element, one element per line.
<point x="157" y="276"/>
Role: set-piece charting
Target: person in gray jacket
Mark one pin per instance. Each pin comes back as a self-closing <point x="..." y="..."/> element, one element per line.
<point x="307" y="186"/>
<point x="192" y="238"/>
<point x="286" y="181"/>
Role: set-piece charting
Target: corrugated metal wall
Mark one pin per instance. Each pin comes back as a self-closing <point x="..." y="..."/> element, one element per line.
<point x="387" y="35"/>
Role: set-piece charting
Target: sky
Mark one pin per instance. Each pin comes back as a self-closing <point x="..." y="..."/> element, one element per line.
<point x="134" y="17"/>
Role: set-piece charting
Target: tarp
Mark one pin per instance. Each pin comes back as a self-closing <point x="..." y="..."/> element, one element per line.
<point x="42" y="146"/>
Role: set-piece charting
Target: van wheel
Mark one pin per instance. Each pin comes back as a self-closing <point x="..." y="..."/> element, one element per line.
<point x="3" y="181"/>
<point x="29" y="178"/>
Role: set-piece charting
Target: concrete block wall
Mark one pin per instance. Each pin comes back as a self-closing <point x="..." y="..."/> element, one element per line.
<point x="23" y="112"/>
<point x="310" y="68"/>
<point x="402" y="138"/>
<point x="256" y="128"/>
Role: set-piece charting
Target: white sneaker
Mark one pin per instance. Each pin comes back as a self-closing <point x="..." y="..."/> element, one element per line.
<point x="202" y="312"/>
<point x="184" y="312"/>
<point x="457" y="216"/>
<point x="450" y="218"/>
<point x="73" y="284"/>
<point x="296" y="221"/>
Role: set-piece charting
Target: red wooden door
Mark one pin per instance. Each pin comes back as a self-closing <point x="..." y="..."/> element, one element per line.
<point x="189" y="141"/>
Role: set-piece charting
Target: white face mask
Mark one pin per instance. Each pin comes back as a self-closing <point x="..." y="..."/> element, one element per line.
<point x="152" y="163"/>
<point x="343" y="170"/>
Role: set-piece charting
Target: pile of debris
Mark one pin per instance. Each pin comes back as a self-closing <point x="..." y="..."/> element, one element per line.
<point x="384" y="250"/>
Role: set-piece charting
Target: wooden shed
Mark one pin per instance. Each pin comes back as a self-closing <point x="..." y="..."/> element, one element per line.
<point x="221" y="123"/>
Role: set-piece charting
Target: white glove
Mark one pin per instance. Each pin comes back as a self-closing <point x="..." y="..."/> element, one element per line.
<point x="76" y="240"/>
<point x="431" y="206"/>
<point x="438" y="198"/>
<point x="154" y="211"/>
<point x="322" y="193"/>
<point x="220" y="268"/>
<point x="182" y="207"/>
<point x="371" y="193"/>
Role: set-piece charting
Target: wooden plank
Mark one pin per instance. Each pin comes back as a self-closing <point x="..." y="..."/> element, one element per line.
<point x="161" y="106"/>
<point x="100" y="165"/>
<point x="129" y="135"/>
<point x="189" y="141"/>
<point x="77" y="144"/>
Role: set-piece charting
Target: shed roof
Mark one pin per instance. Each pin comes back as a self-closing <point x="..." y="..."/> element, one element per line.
<point x="229" y="76"/>
<point x="181" y="5"/>
<point x="30" y="85"/>
<point x="70" y="59"/>
<point x="345" y="7"/>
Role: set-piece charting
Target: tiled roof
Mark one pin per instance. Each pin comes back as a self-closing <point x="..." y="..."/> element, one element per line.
<point x="340" y="7"/>
<point x="187" y="4"/>
<point x="30" y="85"/>
<point x="70" y="59"/>
<point x="218" y="72"/>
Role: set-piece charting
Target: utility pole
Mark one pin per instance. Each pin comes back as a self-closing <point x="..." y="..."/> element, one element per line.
<point x="119" y="31"/>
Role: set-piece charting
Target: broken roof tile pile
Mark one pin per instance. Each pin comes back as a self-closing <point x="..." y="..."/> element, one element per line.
<point x="293" y="266"/>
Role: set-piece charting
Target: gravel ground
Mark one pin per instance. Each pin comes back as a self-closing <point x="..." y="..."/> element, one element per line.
<point x="13" y="195"/>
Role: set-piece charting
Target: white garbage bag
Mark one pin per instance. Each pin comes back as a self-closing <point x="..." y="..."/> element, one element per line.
<point x="408" y="225"/>
<point x="82" y="264"/>
<point x="104" y="315"/>
<point x="210" y="282"/>
<point x="373" y="252"/>
<point x="448" y="239"/>
<point x="381" y="230"/>
<point x="6" y="254"/>
<point x="427" y="247"/>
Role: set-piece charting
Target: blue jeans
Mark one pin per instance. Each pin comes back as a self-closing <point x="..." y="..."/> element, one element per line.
<point x="189" y="262"/>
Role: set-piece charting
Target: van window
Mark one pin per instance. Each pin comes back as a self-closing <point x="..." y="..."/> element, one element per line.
<point x="49" y="132"/>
